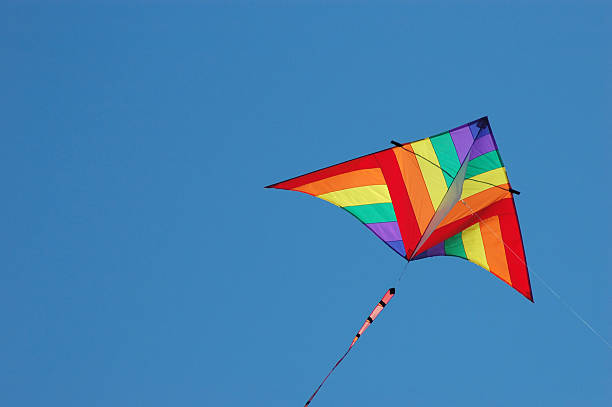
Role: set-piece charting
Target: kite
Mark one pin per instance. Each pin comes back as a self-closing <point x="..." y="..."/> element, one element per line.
<point x="445" y="195"/>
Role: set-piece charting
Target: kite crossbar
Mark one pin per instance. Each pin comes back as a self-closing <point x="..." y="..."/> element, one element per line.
<point x="400" y="145"/>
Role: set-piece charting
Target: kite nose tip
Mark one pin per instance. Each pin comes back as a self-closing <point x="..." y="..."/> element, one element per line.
<point x="482" y="123"/>
<point x="392" y="290"/>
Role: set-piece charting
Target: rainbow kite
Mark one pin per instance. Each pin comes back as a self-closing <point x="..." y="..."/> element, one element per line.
<point x="446" y="195"/>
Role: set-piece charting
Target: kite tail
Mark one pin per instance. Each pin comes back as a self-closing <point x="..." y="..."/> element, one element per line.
<point x="330" y="372"/>
<point x="377" y="310"/>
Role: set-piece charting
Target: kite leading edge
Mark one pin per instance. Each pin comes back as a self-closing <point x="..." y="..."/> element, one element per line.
<point x="445" y="195"/>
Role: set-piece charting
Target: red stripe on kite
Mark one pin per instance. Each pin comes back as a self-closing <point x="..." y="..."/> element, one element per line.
<point x="505" y="206"/>
<point x="361" y="163"/>
<point x="406" y="219"/>
<point x="515" y="254"/>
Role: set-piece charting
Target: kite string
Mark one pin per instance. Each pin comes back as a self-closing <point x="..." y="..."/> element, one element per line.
<point x="544" y="283"/>
<point x="401" y="273"/>
<point x="368" y="322"/>
<point x="571" y="309"/>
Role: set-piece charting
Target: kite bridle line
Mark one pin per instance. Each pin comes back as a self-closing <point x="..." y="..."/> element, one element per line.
<point x="402" y="272"/>
<point x="544" y="283"/>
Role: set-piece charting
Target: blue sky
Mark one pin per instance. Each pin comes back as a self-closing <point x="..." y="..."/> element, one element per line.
<point x="143" y="263"/>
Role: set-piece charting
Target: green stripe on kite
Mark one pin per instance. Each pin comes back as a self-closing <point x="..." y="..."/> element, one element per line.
<point x="483" y="163"/>
<point x="447" y="155"/>
<point x="373" y="213"/>
<point x="453" y="246"/>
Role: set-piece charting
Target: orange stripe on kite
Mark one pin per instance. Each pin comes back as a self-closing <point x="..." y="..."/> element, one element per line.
<point x="415" y="185"/>
<point x="494" y="248"/>
<point x="476" y="202"/>
<point x="501" y="207"/>
<point x="357" y="178"/>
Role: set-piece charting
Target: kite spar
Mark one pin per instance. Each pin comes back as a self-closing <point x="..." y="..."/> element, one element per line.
<point x="445" y="195"/>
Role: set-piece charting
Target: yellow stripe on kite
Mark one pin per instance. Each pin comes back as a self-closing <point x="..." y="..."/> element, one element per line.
<point x="371" y="194"/>
<point x="496" y="177"/>
<point x="474" y="247"/>
<point x="434" y="177"/>
<point x="352" y="179"/>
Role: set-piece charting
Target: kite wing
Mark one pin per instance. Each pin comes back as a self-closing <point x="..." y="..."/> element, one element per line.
<point x="483" y="227"/>
<point x="446" y="195"/>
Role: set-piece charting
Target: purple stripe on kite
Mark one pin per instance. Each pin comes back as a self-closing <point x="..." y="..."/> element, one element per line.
<point x="398" y="246"/>
<point x="421" y="256"/>
<point x="462" y="138"/>
<point x="482" y="145"/>
<point x="387" y="231"/>
<point x="437" y="250"/>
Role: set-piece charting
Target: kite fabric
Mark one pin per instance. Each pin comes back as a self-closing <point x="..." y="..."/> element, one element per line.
<point x="377" y="310"/>
<point x="445" y="195"/>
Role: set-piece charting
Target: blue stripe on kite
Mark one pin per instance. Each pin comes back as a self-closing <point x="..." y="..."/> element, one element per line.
<point x="398" y="246"/>
<point x="474" y="129"/>
<point x="437" y="250"/>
